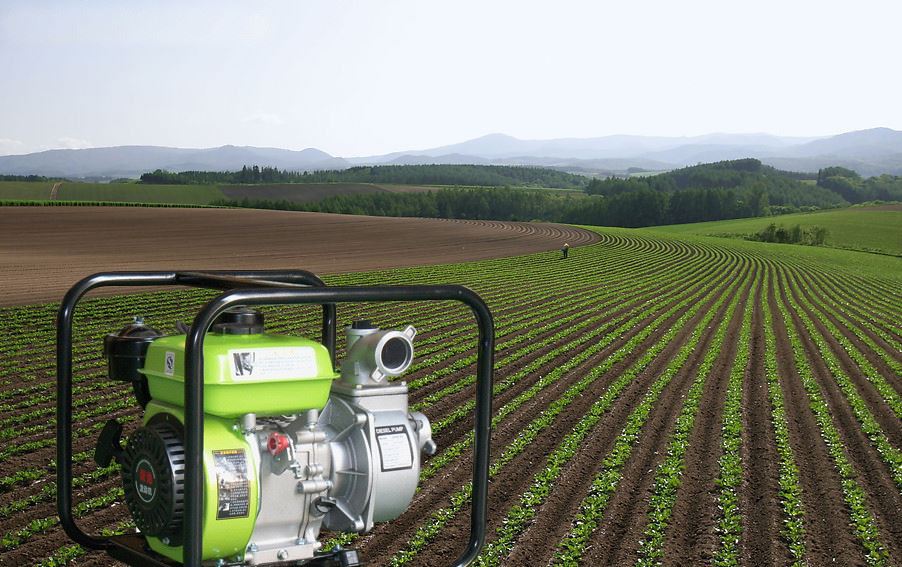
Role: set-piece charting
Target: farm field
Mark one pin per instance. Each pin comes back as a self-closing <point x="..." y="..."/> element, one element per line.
<point x="310" y="192"/>
<point x="875" y="228"/>
<point x="191" y="194"/>
<point x="113" y="192"/>
<point x="202" y="194"/>
<point x="44" y="250"/>
<point x="658" y="399"/>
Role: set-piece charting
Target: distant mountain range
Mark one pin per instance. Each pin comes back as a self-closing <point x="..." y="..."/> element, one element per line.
<point x="869" y="152"/>
<point x="132" y="161"/>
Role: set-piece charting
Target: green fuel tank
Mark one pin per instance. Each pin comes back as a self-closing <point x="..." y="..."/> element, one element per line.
<point x="245" y="373"/>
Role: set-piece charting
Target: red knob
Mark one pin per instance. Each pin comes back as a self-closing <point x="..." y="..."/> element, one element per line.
<point x="277" y="444"/>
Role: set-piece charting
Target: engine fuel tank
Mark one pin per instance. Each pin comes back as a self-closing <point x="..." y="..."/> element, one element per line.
<point x="245" y="373"/>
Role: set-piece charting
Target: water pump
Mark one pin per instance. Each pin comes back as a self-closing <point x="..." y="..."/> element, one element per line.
<point x="288" y="445"/>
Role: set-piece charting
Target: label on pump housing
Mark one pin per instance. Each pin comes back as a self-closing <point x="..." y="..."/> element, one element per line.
<point x="274" y="363"/>
<point x="232" y="486"/>
<point x="394" y="448"/>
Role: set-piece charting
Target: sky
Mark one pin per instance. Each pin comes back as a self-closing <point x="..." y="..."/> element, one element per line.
<point x="367" y="78"/>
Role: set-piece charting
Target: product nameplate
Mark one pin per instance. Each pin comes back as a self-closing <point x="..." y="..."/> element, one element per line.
<point x="277" y="363"/>
<point x="232" y="486"/>
<point x="394" y="448"/>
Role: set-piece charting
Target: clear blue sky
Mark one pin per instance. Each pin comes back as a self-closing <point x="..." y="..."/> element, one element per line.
<point x="360" y="78"/>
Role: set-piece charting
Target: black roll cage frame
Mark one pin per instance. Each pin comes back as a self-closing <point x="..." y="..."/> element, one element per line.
<point x="254" y="288"/>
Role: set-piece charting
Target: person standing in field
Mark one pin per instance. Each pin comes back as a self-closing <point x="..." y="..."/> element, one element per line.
<point x="565" y="250"/>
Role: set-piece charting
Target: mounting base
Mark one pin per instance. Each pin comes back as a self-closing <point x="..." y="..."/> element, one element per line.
<point x="132" y="550"/>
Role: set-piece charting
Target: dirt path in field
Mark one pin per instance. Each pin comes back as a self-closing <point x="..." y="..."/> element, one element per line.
<point x="616" y="539"/>
<point x="829" y="539"/>
<point x="760" y="490"/>
<point x="691" y="539"/>
<point x="872" y="357"/>
<point x="873" y="474"/>
<point x="45" y="250"/>
<point x="878" y="407"/>
<point x="537" y="544"/>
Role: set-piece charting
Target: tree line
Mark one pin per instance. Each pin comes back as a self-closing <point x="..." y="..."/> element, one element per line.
<point x="475" y="175"/>
<point x="633" y="209"/>
<point x="501" y="203"/>
<point x="34" y="178"/>
<point x="851" y="187"/>
<point x="809" y="236"/>
<point x="724" y="190"/>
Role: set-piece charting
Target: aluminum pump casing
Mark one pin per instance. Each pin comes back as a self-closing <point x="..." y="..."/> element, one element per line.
<point x="355" y="463"/>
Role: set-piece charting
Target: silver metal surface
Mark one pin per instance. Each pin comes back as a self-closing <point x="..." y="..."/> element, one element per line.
<point x="355" y="463"/>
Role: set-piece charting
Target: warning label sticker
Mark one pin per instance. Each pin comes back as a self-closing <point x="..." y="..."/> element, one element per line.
<point x="232" y="486"/>
<point x="169" y="363"/>
<point x="394" y="448"/>
<point x="277" y="363"/>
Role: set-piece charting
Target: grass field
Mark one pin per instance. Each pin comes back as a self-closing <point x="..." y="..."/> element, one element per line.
<point x="189" y="194"/>
<point x="203" y="194"/>
<point x="311" y="192"/>
<point x="114" y="192"/>
<point x="657" y="397"/>
<point x="869" y="228"/>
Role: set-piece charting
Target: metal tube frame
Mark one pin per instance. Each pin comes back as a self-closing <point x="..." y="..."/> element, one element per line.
<point x="264" y="290"/>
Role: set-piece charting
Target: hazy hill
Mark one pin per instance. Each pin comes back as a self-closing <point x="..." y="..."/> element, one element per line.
<point x="131" y="161"/>
<point x="869" y="152"/>
<point x="448" y="159"/>
<point x="863" y="145"/>
<point x="495" y="146"/>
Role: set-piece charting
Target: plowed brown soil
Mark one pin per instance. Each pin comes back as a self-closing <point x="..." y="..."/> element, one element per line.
<point x="829" y="535"/>
<point x="45" y="250"/>
<point x="543" y="319"/>
<point x="518" y="474"/>
<point x="882" y="493"/>
<point x="760" y="494"/>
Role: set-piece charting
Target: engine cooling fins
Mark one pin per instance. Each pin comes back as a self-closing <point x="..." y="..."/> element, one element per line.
<point x="153" y="476"/>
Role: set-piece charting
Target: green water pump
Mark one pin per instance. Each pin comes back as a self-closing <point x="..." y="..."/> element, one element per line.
<point x="290" y="445"/>
<point x="251" y="442"/>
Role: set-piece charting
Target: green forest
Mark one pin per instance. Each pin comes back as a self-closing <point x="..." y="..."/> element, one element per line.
<point x="718" y="191"/>
<point x="725" y="190"/>
<point x="475" y="175"/>
<point x="851" y="187"/>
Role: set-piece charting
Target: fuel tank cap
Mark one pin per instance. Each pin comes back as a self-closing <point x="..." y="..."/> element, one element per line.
<point x="239" y="321"/>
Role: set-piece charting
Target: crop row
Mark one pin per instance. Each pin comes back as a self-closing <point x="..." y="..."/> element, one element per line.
<point x="530" y="431"/>
<point x="863" y="521"/>
<point x="521" y="322"/>
<point x="522" y="513"/>
<point x="730" y="478"/>
<point x="606" y="480"/>
<point x="626" y="334"/>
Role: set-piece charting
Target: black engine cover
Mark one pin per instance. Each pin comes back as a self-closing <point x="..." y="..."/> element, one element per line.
<point x="153" y="477"/>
